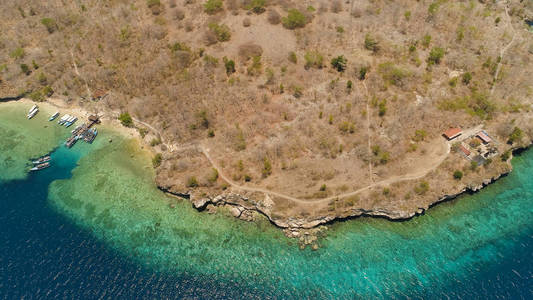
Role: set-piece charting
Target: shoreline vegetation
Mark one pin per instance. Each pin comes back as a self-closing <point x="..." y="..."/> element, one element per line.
<point x="340" y="115"/>
<point x="109" y="194"/>
<point x="243" y="206"/>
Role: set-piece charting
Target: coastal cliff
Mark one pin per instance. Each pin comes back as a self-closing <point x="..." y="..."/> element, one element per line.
<point x="246" y="205"/>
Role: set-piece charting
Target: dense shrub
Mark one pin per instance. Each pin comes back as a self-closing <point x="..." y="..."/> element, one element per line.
<point x="213" y="6"/>
<point x="477" y="104"/>
<point x="294" y="19"/>
<point x="156" y="160"/>
<point x="362" y="72"/>
<point x="229" y="65"/>
<point x="420" y="135"/>
<point x="515" y="136"/>
<point x="192" y="182"/>
<point x="293" y="58"/>
<point x="50" y="24"/>
<point x="435" y="56"/>
<point x="125" y="119"/>
<point x="313" y="59"/>
<point x="48" y="91"/>
<point x="267" y="167"/>
<point x="36" y="96"/>
<point x="221" y="31"/>
<point x="371" y="43"/>
<point x="347" y="127"/>
<point x="392" y="74"/>
<point x="467" y="77"/>
<point x="257" y="6"/>
<point x="42" y="79"/>
<point x="255" y="67"/>
<point x="421" y="188"/>
<point x="17" y="53"/>
<point x="25" y="69"/>
<point x="339" y="63"/>
<point x="155" y="6"/>
<point x="426" y="40"/>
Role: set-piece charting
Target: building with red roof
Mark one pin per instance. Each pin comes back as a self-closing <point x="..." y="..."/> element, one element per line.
<point x="452" y="133"/>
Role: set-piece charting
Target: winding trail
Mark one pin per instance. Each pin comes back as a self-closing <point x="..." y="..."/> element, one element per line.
<point x="387" y="181"/>
<point x="503" y="50"/>
<point x="370" y="173"/>
<point x="79" y="75"/>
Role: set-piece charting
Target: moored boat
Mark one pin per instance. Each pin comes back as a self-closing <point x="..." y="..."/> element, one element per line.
<point x="71" y="121"/>
<point x="41" y="160"/>
<point x="32" y="109"/>
<point x="63" y="119"/>
<point x="54" y="116"/>
<point x="33" y="113"/>
<point x="40" y="166"/>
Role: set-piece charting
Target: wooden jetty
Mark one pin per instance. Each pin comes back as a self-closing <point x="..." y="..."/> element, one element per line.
<point x="84" y="132"/>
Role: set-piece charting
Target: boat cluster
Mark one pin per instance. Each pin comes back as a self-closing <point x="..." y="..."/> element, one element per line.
<point x="42" y="162"/>
<point x="67" y="120"/>
<point x="82" y="132"/>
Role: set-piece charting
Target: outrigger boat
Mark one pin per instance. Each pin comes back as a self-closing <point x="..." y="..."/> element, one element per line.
<point x="41" y="160"/>
<point x="33" y="111"/>
<point x="63" y="119"/>
<point x="54" y="116"/>
<point x="71" y="121"/>
<point x="40" y="166"/>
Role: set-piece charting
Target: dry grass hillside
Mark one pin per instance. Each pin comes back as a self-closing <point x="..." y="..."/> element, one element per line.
<point x="307" y="99"/>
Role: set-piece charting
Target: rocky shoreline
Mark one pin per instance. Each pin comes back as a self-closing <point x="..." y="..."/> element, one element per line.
<point x="243" y="206"/>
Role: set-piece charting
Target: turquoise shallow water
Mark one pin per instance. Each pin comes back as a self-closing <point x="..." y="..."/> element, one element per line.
<point x="475" y="246"/>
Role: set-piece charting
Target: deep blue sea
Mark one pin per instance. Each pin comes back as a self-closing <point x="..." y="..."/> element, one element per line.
<point x="89" y="228"/>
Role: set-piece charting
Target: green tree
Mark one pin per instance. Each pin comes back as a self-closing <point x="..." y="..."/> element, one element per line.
<point x="48" y="91"/>
<point x="362" y="72"/>
<point x="25" y="69"/>
<point x="467" y="77"/>
<point x="125" y="119"/>
<point x="422" y="188"/>
<point x="293" y="58"/>
<point x="42" y="79"/>
<point x="313" y="59"/>
<point x="50" y="24"/>
<point x="371" y="43"/>
<point x="339" y="63"/>
<point x="229" y="64"/>
<point x="426" y="40"/>
<point x="257" y="6"/>
<point x="221" y="31"/>
<point x="435" y="55"/>
<point x="17" y="53"/>
<point x="156" y="160"/>
<point x="294" y="19"/>
<point x="515" y="136"/>
<point x="267" y="167"/>
<point x="420" y="135"/>
<point x="457" y="175"/>
<point x="192" y="182"/>
<point x="213" y="6"/>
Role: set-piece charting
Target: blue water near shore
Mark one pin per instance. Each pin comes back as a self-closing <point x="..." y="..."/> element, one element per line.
<point x="478" y="246"/>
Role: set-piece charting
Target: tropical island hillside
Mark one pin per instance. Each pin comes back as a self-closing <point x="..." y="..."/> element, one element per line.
<point x="303" y="111"/>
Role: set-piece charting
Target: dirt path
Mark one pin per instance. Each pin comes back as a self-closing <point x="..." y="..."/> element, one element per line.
<point x="370" y="172"/>
<point x="503" y="50"/>
<point x="411" y="176"/>
<point x="79" y="75"/>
